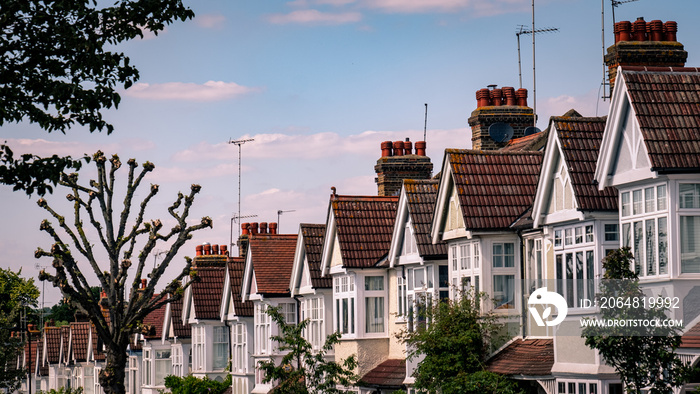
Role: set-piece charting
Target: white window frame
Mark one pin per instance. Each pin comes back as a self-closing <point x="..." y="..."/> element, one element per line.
<point x="313" y="310"/>
<point x="162" y="359"/>
<point x="177" y="365"/>
<point x="535" y="263"/>
<point x="147" y="377"/>
<point x="220" y="348"/>
<point x="345" y="306"/>
<point x="502" y="271"/>
<point x="577" y="386"/>
<point x="263" y="326"/>
<point x="688" y="209"/>
<point x="581" y="284"/>
<point x="380" y="298"/>
<point x="239" y="347"/>
<point x="198" y="346"/>
<point x="464" y="279"/>
<point x="420" y="293"/>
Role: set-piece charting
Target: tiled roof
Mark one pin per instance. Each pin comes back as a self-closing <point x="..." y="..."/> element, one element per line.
<point x="691" y="339"/>
<point x="494" y="188"/>
<point x="580" y="142"/>
<point x="43" y="368"/>
<point x="179" y="330"/>
<point x="390" y="373"/>
<point x="97" y="347"/>
<point x="421" y="196"/>
<point x="207" y="292"/>
<point x="236" y="266"/>
<point x="65" y="339"/>
<point x="153" y="323"/>
<point x="79" y="332"/>
<point x="273" y="258"/>
<point x="53" y="344"/>
<point x="30" y="353"/>
<point x="365" y="226"/>
<point x="527" y="357"/>
<point x="313" y="244"/>
<point x="528" y="143"/>
<point x="666" y="101"/>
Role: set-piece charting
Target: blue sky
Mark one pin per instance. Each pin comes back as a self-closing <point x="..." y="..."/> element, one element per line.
<point x="319" y="84"/>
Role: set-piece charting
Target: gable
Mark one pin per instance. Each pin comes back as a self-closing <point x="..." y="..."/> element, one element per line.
<point x="305" y="280"/>
<point x="631" y="153"/>
<point x="561" y="192"/>
<point x="454" y="219"/>
<point x="336" y="257"/>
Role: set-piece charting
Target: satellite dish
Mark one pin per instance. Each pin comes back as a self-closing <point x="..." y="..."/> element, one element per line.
<point x="501" y="132"/>
<point x="531" y="130"/>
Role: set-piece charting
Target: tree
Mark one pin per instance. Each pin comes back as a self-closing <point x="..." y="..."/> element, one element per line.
<point x="56" y="70"/>
<point x="644" y="357"/>
<point x="302" y="370"/>
<point x="453" y="346"/>
<point x="16" y="293"/>
<point x="192" y="385"/>
<point x="64" y="312"/>
<point x="117" y="235"/>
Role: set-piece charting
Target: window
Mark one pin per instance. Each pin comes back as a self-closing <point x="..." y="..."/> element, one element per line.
<point x="345" y="304"/>
<point x="409" y="242"/>
<point x="163" y="366"/>
<point x="239" y="357"/>
<point x="88" y="380"/>
<point x="557" y="238"/>
<point x="577" y="387"/>
<point x="465" y="256"/>
<point x="374" y="304"/>
<point x="133" y="376"/>
<point x="468" y="254"/>
<point x="611" y="232"/>
<point x="689" y="195"/>
<point x="262" y="323"/>
<point x="503" y="255"/>
<point x="289" y="311"/>
<point x="147" y="367"/>
<point x="178" y="369"/>
<point x="575" y="263"/>
<point x="504" y="291"/>
<point x="402" y="294"/>
<point x="220" y="347"/>
<point x="645" y="231"/>
<point x="443" y="282"/>
<point x="312" y="310"/>
<point x="198" y="338"/>
<point x="534" y="264"/>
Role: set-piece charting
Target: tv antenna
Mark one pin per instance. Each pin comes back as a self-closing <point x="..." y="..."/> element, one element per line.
<point x="239" y="143"/>
<point x="156" y="254"/>
<point x="425" y="125"/>
<point x="522" y="29"/>
<point x="279" y="212"/>
<point x="233" y="220"/>
<point x="43" y="288"/>
<point x="613" y="4"/>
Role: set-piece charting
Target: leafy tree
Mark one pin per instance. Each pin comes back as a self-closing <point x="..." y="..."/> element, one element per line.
<point x="644" y="357"/>
<point x="64" y="312"/>
<point x="302" y="370"/>
<point x="16" y="293"/>
<point x="454" y="346"/>
<point x="57" y="70"/>
<point x="117" y="234"/>
<point x="191" y="385"/>
<point x="62" y="390"/>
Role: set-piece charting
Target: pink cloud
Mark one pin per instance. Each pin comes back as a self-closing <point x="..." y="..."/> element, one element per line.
<point x="315" y="17"/>
<point x="208" y="91"/>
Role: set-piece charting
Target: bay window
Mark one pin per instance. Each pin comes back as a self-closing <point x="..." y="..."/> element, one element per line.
<point x="503" y="270"/>
<point x="263" y="323"/>
<point x="374" y="304"/>
<point x="163" y="366"/>
<point x="575" y="263"/>
<point x="147" y="372"/>
<point x="220" y="347"/>
<point x="689" y="209"/>
<point x="344" y="295"/>
<point x="464" y="277"/>
<point x="645" y="229"/>
<point x="312" y="310"/>
<point x="239" y="358"/>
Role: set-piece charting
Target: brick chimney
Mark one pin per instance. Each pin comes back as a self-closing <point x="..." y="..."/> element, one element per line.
<point x="398" y="162"/>
<point x="640" y="43"/>
<point x="505" y="105"/>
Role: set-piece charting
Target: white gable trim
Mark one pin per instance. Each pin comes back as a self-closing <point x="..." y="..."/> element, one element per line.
<point x="328" y="241"/>
<point x="167" y="323"/>
<point x="247" y="275"/>
<point x="443" y="200"/>
<point x="187" y="306"/>
<point x="297" y="266"/>
<point x="402" y="215"/>
<point x="226" y="296"/>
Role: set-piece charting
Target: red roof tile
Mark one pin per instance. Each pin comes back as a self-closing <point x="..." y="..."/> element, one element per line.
<point x="79" y="332"/>
<point x="153" y="323"/>
<point x="691" y="339"/>
<point x="180" y="330"/>
<point x="494" y="188"/>
<point x="52" y="337"/>
<point x="313" y="244"/>
<point x="65" y="339"/>
<point x="527" y="357"/>
<point x="390" y="373"/>
<point x="30" y="353"/>
<point x="528" y="143"/>
<point x="580" y="140"/>
<point x="273" y="258"/>
<point x="421" y="196"/>
<point x="666" y="101"/>
<point x="365" y="226"/>
<point x="207" y="291"/>
<point x="236" y="265"/>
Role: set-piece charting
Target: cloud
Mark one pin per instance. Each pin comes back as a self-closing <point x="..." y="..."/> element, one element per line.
<point x="208" y="91"/>
<point x="210" y="21"/>
<point x="478" y="7"/>
<point x="306" y="3"/>
<point x="585" y="104"/>
<point x="44" y="148"/>
<point x="314" y="17"/>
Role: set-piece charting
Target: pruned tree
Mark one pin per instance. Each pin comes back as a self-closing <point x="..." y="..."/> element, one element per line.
<point x="116" y="261"/>
<point x="644" y="356"/>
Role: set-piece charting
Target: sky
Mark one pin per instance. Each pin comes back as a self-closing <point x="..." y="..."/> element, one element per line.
<point x="318" y="85"/>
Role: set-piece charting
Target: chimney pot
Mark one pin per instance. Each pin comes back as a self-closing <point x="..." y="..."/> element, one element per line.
<point x="509" y="93"/>
<point x="483" y="98"/>
<point x="273" y="228"/>
<point x="386" y="148"/>
<point x="670" y="29"/>
<point x="420" y="148"/>
<point x="199" y="249"/>
<point x="407" y="147"/>
<point x="639" y="29"/>
<point x="496" y="97"/>
<point x="521" y="97"/>
<point x="244" y="229"/>
<point x="224" y="250"/>
<point x="657" y="30"/>
<point x="207" y="249"/>
<point x="263" y="228"/>
<point x="215" y="249"/>
<point x="625" y="31"/>
<point x="398" y="148"/>
<point x="253" y="228"/>
<point x="144" y="282"/>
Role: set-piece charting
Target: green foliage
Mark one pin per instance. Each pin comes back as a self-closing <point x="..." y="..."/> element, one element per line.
<point x="62" y="390"/>
<point x="15" y="293"/>
<point x="644" y="357"/>
<point x="303" y="370"/>
<point x="453" y="348"/>
<point x="192" y="385"/>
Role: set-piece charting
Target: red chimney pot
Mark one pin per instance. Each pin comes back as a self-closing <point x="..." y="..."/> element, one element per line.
<point x="207" y="249"/>
<point x="224" y="250"/>
<point x="483" y="98"/>
<point x="639" y="29"/>
<point x="407" y="147"/>
<point x="386" y="148"/>
<point x="420" y="148"/>
<point x="273" y="228"/>
<point x="496" y="97"/>
<point x="670" y="28"/>
<point x="509" y="93"/>
<point x="263" y="228"/>
<point x="253" y="228"/>
<point x="625" y="31"/>
<point x="199" y="249"/>
<point x="244" y="228"/>
<point x="215" y="249"/>
<point x="398" y="148"/>
<point x="657" y="30"/>
<point x="521" y="95"/>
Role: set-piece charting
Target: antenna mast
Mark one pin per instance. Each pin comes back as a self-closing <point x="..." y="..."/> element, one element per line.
<point x="425" y="125"/>
<point x="279" y="212"/>
<point x="239" y="143"/>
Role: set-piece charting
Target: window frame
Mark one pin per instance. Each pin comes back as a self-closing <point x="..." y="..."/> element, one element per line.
<point x="688" y="216"/>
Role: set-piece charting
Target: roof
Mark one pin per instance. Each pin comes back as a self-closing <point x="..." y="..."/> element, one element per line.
<point x="526" y="357"/>
<point x="65" y="338"/>
<point x="666" y="101"/>
<point x="390" y="373"/>
<point x="30" y="353"/>
<point x="179" y="330"/>
<point x="273" y="257"/>
<point x="313" y="235"/>
<point x="207" y="290"/>
<point x="236" y="266"/>
<point x="97" y="345"/>
<point x="153" y="323"/>
<point x="691" y="339"/>
<point x="364" y="226"/>
<point x="528" y="143"/>
<point x="79" y="332"/>
<point x="580" y="140"/>
<point x="421" y="196"/>
<point x="494" y="188"/>
<point x="52" y="336"/>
